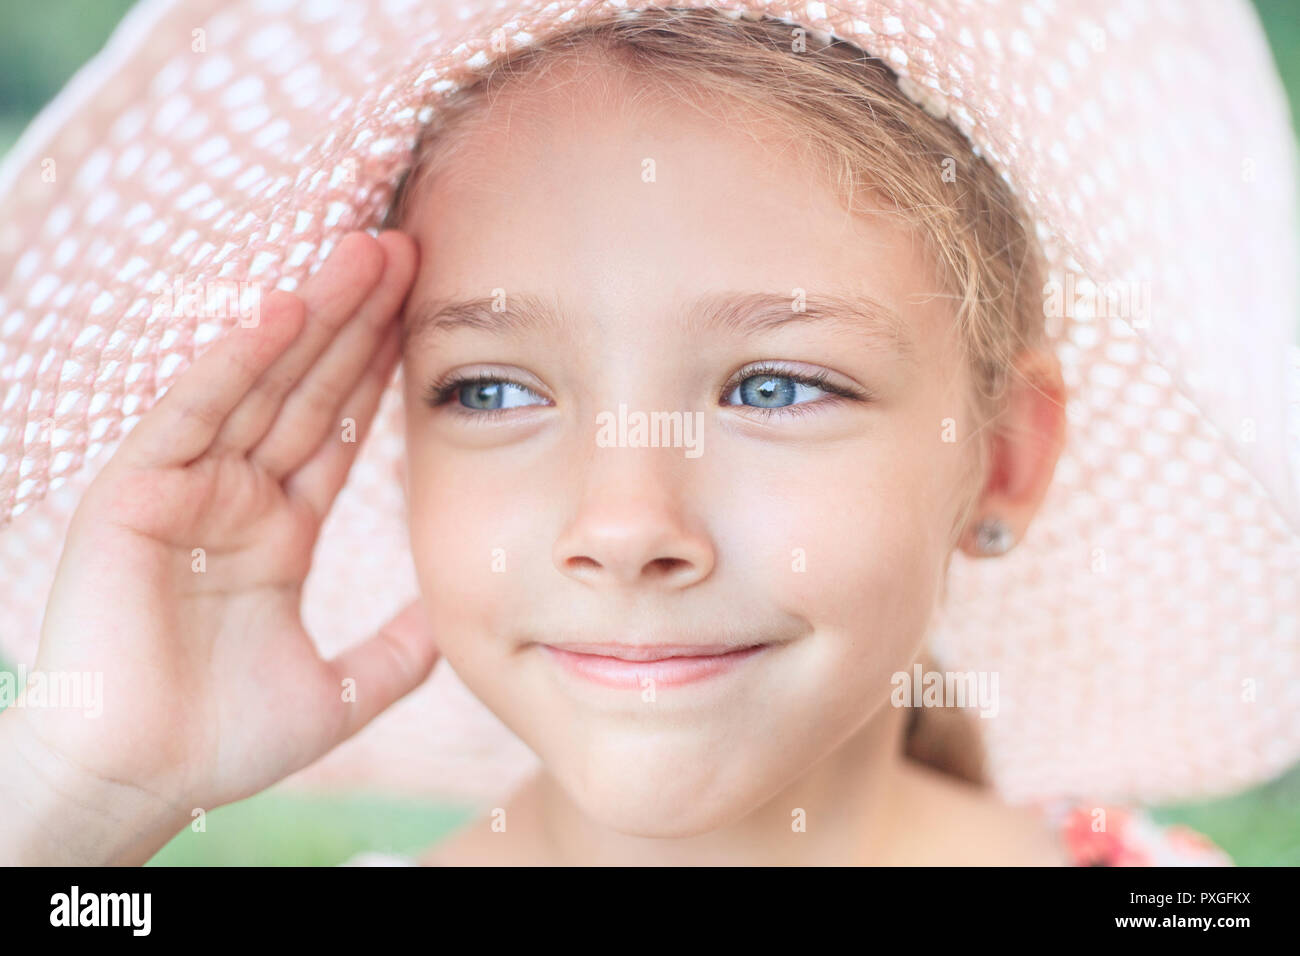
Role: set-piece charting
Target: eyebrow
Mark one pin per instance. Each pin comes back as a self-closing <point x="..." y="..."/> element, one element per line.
<point x="879" y="326"/>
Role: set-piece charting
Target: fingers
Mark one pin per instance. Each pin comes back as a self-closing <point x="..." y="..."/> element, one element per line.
<point x="310" y="414"/>
<point x="319" y="480"/>
<point x="384" y="668"/>
<point x="183" y="423"/>
<point x="332" y="297"/>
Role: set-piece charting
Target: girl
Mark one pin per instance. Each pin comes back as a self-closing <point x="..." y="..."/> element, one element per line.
<point x="677" y="213"/>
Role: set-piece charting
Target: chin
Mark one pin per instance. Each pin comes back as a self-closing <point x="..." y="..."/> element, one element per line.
<point x="643" y="814"/>
<point x="660" y="800"/>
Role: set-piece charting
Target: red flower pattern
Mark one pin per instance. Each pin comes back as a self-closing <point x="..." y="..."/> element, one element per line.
<point x="1124" y="836"/>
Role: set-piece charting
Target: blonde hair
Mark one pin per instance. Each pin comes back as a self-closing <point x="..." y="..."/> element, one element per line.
<point x="845" y="110"/>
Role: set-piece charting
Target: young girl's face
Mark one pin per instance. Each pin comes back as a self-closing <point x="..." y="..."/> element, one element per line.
<point x="652" y="261"/>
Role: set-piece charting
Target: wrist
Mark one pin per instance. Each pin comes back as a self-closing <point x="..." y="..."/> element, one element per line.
<point x="56" y="813"/>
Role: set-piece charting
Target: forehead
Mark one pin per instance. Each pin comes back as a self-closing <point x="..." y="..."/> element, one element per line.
<point x="616" y="200"/>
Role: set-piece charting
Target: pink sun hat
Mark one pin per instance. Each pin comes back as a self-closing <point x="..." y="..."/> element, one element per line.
<point x="1146" y="632"/>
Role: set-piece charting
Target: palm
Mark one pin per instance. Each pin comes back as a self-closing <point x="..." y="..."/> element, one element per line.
<point x="182" y="573"/>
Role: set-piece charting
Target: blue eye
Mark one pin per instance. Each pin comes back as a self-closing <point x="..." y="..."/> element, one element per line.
<point x="480" y="394"/>
<point x="776" y="390"/>
<point x="492" y="395"/>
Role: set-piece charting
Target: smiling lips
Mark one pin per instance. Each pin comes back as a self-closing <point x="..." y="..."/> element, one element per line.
<point x="654" y="665"/>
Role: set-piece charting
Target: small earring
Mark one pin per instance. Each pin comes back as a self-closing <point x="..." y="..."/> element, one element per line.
<point x="993" y="536"/>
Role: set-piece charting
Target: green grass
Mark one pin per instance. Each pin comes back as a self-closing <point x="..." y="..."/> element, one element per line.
<point x="10" y="129"/>
<point x="1258" y="827"/>
<point x="1281" y="22"/>
<point x="285" y="829"/>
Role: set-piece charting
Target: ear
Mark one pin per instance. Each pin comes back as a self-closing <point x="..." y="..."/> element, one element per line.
<point x="1027" y="441"/>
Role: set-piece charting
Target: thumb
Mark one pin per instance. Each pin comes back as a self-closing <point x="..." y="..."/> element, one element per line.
<point x="386" y="667"/>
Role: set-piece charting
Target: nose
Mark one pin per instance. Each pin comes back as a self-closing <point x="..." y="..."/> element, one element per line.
<point x="630" y="530"/>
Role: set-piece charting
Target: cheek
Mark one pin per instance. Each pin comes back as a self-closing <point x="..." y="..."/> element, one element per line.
<point x="852" y="543"/>
<point x="475" y="529"/>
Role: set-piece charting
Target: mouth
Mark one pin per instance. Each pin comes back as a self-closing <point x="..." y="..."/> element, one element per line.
<point x="648" y="666"/>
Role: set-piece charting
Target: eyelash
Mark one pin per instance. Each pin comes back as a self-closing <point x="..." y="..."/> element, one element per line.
<point x="818" y="380"/>
<point x="443" y="391"/>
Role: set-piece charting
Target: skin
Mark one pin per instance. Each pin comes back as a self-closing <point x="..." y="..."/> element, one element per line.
<point x="213" y="690"/>
<point x="546" y="197"/>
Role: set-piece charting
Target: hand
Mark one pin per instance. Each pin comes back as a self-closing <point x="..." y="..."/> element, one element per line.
<point x="212" y="689"/>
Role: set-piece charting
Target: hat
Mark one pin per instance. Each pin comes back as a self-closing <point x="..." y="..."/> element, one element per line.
<point x="1146" y="631"/>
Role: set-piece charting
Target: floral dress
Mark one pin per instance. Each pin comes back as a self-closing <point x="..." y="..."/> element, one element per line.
<point x="1099" y="834"/>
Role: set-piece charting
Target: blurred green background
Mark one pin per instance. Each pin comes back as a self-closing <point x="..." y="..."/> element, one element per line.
<point x="41" y="46"/>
